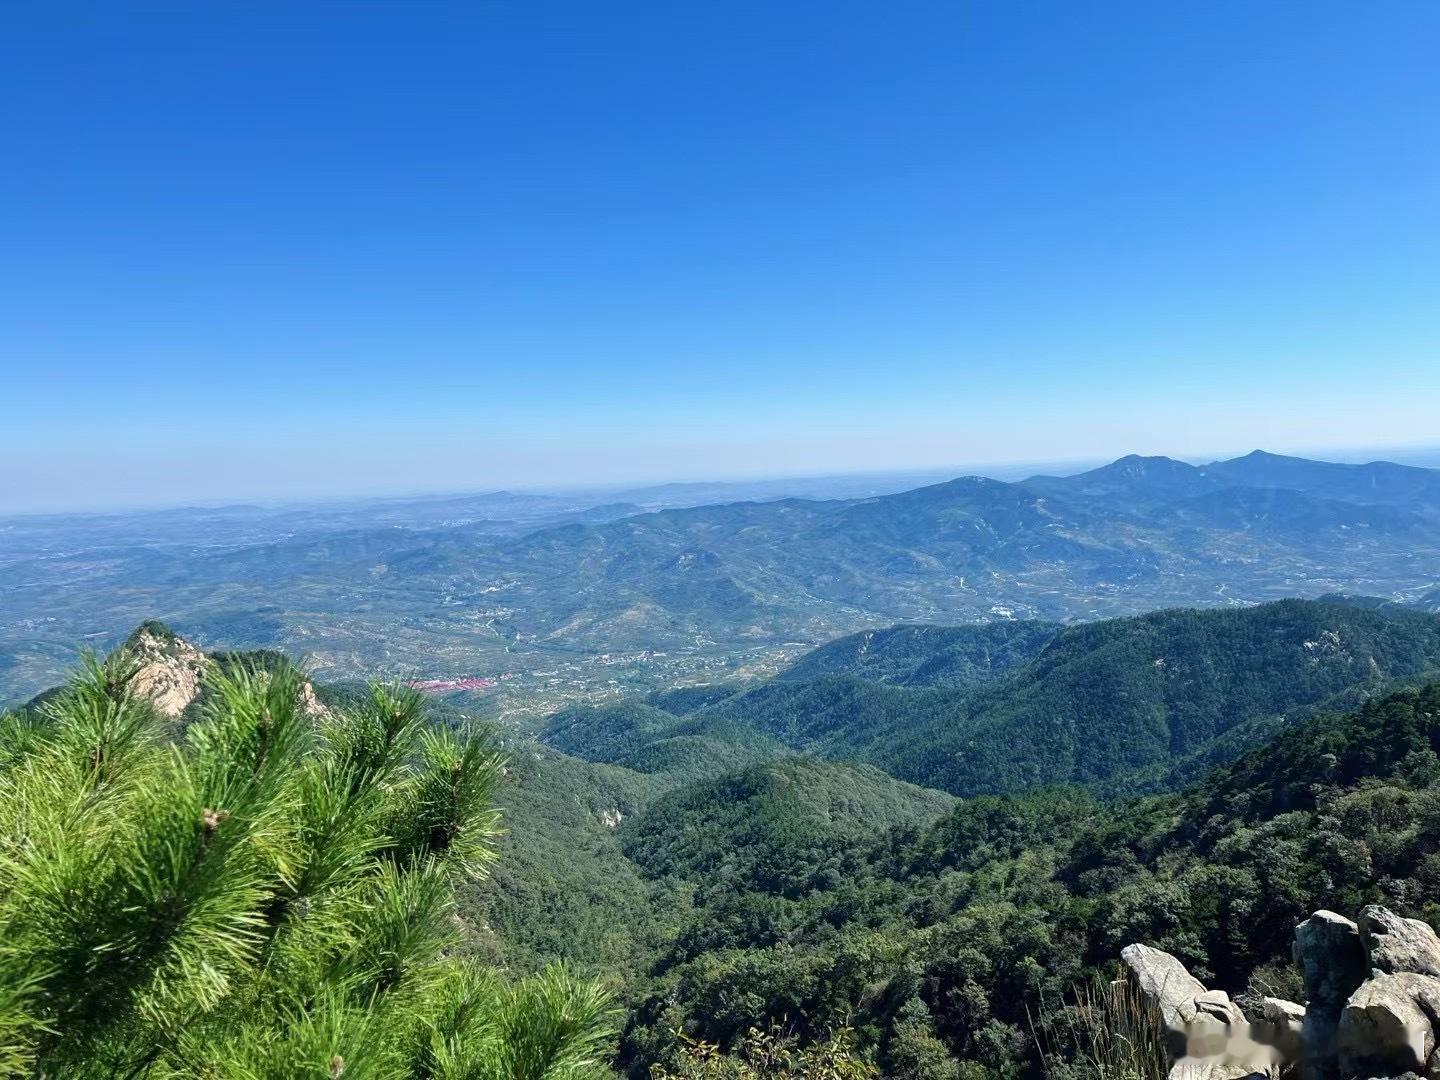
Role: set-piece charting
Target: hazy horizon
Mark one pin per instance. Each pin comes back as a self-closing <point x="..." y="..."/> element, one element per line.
<point x="1420" y="456"/>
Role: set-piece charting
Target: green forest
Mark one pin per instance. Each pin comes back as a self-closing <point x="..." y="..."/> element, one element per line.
<point x="280" y="880"/>
<point x="1126" y="704"/>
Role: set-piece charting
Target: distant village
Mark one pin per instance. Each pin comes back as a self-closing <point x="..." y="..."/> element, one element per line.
<point x="446" y="686"/>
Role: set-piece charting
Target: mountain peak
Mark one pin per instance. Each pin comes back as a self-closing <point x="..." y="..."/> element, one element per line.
<point x="169" y="670"/>
<point x="1259" y="457"/>
<point x="1147" y="465"/>
<point x="1129" y="473"/>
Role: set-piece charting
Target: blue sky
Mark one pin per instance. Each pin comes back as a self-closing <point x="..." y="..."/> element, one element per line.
<point x="323" y="248"/>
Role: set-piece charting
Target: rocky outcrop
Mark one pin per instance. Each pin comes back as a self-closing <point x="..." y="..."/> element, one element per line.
<point x="1373" y="1007"/>
<point x="1331" y="956"/>
<point x="1396" y="946"/>
<point x="169" y="670"/>
<point x="310" y="703"/>
<point x="1209" y="1036"/>
<point x="1388" y="1026"/>
<point x="1165" y="982"/>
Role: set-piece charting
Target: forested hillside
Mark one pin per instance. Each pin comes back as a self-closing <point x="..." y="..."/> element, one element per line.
<point x="949" y="945"/>
<point x="1011" y="706"/>
<point x="959" y="657"/>
<point x="632" y="540"/>
<point x="932" y="936"/>
<point x="562" y="889"/>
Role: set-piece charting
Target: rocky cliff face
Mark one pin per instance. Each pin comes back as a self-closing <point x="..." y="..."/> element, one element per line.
<point x="170" y="672"/>
<point x="1372" y="1008"/>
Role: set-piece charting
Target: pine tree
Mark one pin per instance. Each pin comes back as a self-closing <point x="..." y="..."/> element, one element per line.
<point x="268" y="894"/>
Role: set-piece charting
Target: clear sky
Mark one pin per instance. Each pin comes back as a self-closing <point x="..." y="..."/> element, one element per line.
<point x="276" y="249"/>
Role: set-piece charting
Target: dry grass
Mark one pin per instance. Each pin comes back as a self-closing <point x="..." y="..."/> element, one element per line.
<point x="1109" y="1033"/>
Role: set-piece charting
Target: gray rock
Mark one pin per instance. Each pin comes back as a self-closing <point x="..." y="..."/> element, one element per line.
<point x="1399" y="945"/>
<point x="1330" y="954"/>
<point x="1317" y="1044"/>
<point x="1165" y="983"/>
<point x="1217" y="1005"/>
<point x="1283" y="1014"/>
<point x="1281" y="1024"/>
<point x="1387" y="1026"/>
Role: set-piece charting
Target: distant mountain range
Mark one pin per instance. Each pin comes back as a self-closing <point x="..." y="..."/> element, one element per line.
<point x="457" y="590"/>
<point x="1133" y="535"/>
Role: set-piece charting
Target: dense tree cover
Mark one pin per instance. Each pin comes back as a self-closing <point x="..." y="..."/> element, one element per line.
<point x="1143" y="702"/>
<point x="787" y="826"/>
<point x="1119" y="696"/>
<point x="562" y="888"/>
<point x="647" y="738"/>
<point x="919" y="655"/>
<point x="770" y="1055"/>
<point x="738" y="908"/>
<point x="609" y="733"/>
<point x="681" y="700"/>
<point x="951" y="947"/>
<point x="271" y="894"/>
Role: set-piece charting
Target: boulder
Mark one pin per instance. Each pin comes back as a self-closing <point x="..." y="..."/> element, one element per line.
<point x="1217" y="1005"/>
<point x="1165" y="983"/>
<point x="1399" y="945"/>
<point x="1330" y="954"/>
<point x="1281" y="1024"/>
<point x="1285" y="1015"/>
<point x="1388" y="1025"/>
<point x="1373" y="1006"/>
